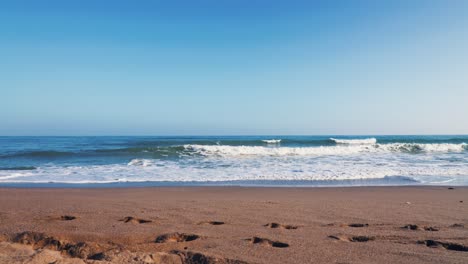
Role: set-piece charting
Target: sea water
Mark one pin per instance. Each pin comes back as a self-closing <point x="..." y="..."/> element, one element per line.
<point x="235" y="160"/>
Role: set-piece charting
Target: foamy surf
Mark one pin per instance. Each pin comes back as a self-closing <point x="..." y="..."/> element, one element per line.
<point x="140" y="162"/>
<point x="272" y="141"/>
<point x="250" y="169"/>
<point x="427" y="160"/>
<point x="354" y="141"/>
<point x="224" y="150"/>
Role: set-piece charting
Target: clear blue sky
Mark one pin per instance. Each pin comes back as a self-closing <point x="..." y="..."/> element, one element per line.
<point x="233" y="67"/>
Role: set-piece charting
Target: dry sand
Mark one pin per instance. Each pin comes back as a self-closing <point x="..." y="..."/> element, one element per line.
<point x="234" y="225"/>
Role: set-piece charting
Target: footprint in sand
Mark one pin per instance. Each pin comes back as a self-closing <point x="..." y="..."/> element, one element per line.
<point x="358" y="225"/>
<point x="67" y="217"/>
<point x="416" y="227"/>
<point x="176" y="237"/>
<point x="212" y="223"/>
<point x="349" y="225"/>
<point x="62" y="218"/>
<point x="75" y="250"/>
<point x="133" y="220"/>
<point x="267" y="242"/>
<point x="276" y="225"/>
<point x="458" y="225"/>
<point x="194" y="257"/>
<point x="352" y="238"/>
<point x="441" y="244"/>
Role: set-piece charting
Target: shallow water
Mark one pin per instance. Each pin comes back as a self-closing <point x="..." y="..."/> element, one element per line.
<point x="237" y="160"/>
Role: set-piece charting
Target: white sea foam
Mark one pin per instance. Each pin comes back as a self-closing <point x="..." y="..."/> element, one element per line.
<point x="433" y="167"/>
<point x="225" y="150"/>
<point x="414" y="147"/>
<point x="355" y="141"/>
<point x="140" y="162"/>
<point x="272" y="141"/>
<point x="427" y="163"/>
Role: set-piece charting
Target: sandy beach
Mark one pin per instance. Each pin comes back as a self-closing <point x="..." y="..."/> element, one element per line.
<point x="234" y="225"/>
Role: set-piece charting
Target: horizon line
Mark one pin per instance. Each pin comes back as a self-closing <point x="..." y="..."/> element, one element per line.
<point x="232" y="135"/>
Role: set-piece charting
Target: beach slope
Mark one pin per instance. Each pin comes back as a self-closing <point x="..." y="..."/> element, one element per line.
<point x="234" y="225"/>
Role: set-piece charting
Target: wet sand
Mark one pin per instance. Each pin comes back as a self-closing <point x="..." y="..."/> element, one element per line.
<point x="234" y="225"/>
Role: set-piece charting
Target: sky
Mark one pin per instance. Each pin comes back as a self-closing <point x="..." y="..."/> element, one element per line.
<point x="233" y="67"/>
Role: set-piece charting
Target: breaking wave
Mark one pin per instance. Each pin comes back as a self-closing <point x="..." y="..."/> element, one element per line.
<point x="224" y="150"/>
<point x="354" y="141"/>
<point x="272" y="141"/>
<point x="425" y="159"/>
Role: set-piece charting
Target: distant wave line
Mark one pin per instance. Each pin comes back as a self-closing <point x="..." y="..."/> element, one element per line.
<point x="355" y="141"/>
<point x="272" y="141"/>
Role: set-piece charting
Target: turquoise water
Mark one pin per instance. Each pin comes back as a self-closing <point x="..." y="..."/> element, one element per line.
<point x="234" y="160"/>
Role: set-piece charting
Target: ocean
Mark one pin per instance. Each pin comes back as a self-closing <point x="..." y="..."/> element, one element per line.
<point x="234" y="160"/>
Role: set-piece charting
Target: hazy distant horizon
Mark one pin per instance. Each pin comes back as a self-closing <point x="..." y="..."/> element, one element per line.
<point x="232" y="135"/>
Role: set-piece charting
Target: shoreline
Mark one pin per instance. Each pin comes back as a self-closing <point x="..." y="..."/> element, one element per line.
<point x="229" y="224"/>
<point x="386" y="181"/>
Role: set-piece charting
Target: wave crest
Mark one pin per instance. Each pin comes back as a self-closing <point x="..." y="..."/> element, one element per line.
<point x="224" y="150"/>
<point x="354" y="141"/>
<point x="272" y="141"/>
<point x="418" y="148"/>
<point x="140" y="162"/>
